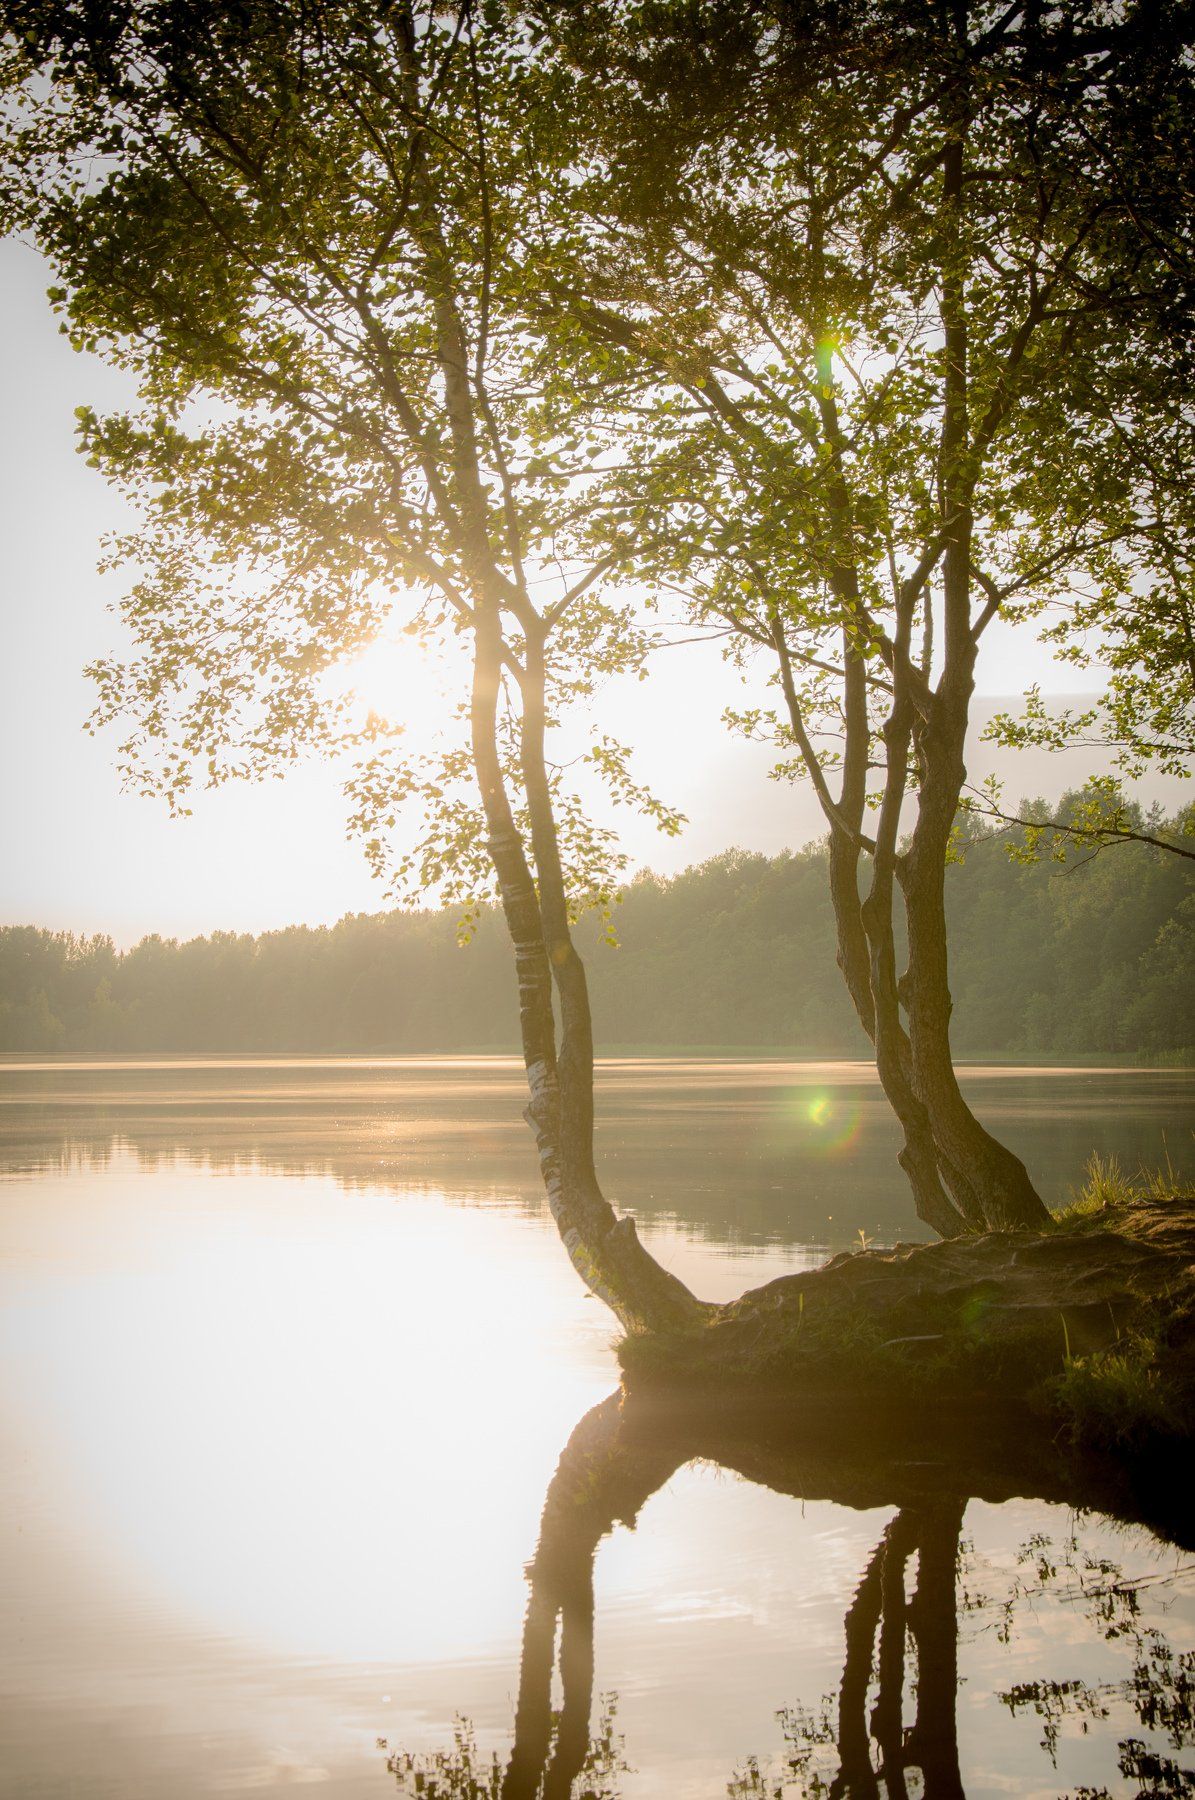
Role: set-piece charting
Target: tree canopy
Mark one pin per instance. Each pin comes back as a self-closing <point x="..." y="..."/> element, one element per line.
<point x="907" y="290"/>
<point x="300" y="226"/>
<point x="844" y="322"/>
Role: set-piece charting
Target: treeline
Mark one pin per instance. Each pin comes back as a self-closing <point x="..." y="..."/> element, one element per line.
<point x="1093" y="956"/>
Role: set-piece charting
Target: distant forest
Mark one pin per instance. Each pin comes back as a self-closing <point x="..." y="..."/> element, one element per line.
<point x="1096" y="955"/>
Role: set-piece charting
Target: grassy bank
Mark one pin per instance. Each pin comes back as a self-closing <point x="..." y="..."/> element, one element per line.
<point x="1090" y="1326"/>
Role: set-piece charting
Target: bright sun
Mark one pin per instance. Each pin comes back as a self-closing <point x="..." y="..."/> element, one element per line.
<point x="397" y="678"/>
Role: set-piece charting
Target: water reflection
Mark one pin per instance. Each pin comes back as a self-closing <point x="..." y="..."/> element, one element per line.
<point x="289" y="1355"/>
<point x="746" y="1152"/>
<point x="891" y="1730"/>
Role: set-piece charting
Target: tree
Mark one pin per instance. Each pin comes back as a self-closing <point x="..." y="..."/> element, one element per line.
<point x="907" y="289"/>
<point x="843" y="286"/>
<point x="300" y="227"/>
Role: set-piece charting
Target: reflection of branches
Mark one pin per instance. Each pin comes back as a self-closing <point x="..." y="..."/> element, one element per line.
<point x="881" y="1607"/>
<point x="839" y="1750"/>
<point x="1161" y="1691"/>
<point x="601" y="1480"/>
<point x="463" y="1773"/>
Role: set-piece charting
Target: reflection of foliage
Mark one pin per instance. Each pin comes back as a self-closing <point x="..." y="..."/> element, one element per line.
<point x="858" y="1743"/>
<point x="810" y="1757"/>
<point x="1054" y="1701"/>
<point x="1158" y="1774"/>
<point x="461" y="1772"/>
<point x="1160" y="1690"/>
<point x="464" y="1773"/>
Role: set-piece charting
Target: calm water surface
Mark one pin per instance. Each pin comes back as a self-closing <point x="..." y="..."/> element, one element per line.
<point x="291" y="1361"/>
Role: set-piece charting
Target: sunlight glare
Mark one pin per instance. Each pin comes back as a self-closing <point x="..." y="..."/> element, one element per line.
<point x="290" y="1396"/>
<point x="403" y="680"/>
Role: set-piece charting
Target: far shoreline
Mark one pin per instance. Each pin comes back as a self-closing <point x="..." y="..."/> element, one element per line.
<point x="1099" y="1063"/>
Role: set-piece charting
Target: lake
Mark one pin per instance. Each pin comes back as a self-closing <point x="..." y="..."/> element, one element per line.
<point x="303" y="1406"/>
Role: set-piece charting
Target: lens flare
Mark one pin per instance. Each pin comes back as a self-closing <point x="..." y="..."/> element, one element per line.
<point x="831" y="1122"/>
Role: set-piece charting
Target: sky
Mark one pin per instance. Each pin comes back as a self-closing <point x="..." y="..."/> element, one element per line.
<point x="81" y="855"/>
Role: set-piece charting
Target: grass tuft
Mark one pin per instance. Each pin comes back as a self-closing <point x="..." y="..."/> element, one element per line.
<point x="1109" y="1189"/>
<point x="1115" y="1398"/>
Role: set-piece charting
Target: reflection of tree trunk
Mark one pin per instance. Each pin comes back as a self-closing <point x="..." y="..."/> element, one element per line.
<point x="604" y="1477"/>
<point x="887" y="1718"/>
<point x="576" y="1679"/>
<point x="599" y="1481"/>
<point x="855" y="1777"/>
<point x="533" y="1713"/>
<point x="933" y="1743"/>
<point x="880" y="1604"/>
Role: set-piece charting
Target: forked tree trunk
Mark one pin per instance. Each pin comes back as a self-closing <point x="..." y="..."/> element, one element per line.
<point x="943" y="1141"/>
<point x="918" y="1156"/>
<point x="996" y="1190"/>
<point x="962" y="1178"/>
<point x="989" y="1182"/>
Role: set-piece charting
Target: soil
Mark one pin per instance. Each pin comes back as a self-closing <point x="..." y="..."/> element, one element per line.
<point x="1087" y="1326"/>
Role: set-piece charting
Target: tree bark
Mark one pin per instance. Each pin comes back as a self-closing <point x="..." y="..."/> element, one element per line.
<point x="604" y="1248"/>
<point x="940" y="1140"/>
<point x="918" y="1157"/>
<point x="990" y="1183"/>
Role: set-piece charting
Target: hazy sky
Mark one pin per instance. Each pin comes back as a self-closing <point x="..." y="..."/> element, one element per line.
<point x="79" y="854"/>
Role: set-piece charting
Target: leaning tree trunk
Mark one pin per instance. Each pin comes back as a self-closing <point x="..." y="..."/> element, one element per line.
<point x="603" y="1248"/>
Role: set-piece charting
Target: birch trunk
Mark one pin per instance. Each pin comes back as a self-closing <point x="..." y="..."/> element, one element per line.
<point x="603" y="1248"/>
